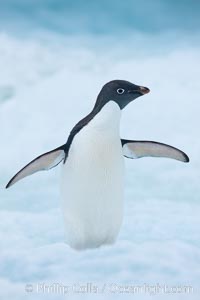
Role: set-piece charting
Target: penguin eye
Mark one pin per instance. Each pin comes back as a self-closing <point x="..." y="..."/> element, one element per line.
<point x="120" y="91"/>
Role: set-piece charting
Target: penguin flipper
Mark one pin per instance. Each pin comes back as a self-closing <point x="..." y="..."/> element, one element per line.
<point x="43" y="162"/>
<point x="138" y="149"/>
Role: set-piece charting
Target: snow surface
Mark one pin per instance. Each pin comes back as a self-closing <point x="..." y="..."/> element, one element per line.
<point x="45" y="88"/>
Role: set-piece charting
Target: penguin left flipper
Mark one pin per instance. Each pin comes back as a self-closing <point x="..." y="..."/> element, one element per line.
<point x="43" y="162"/>
<point x="137" y="149"/>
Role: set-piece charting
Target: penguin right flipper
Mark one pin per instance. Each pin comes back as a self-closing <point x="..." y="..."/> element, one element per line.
<point x="137" y="149"/>
<point x="43" y="162"/>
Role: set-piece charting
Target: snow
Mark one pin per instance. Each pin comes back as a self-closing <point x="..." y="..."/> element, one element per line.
<point x="45" y="88"/>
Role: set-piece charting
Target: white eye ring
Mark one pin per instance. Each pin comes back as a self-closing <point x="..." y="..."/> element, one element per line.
<point x="120" y="91"/>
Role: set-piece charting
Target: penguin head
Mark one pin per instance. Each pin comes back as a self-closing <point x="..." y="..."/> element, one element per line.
<point x="120" y="91"/>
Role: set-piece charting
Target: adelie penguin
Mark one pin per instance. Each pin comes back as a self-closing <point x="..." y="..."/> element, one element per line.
<point x="92" y="184"/>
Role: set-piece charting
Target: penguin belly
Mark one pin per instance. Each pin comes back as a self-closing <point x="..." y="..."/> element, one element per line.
<point x="92" y="182"/>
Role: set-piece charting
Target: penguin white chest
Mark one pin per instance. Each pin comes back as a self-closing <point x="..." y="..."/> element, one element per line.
<point x="93" y="182"/>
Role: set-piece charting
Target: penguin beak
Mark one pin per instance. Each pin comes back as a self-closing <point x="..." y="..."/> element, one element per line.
<point x="144" y="90"/>
<point x="140" y="89"/>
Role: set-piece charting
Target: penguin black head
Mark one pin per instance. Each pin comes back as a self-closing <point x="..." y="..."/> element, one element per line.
<point x="120" y="91"/>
